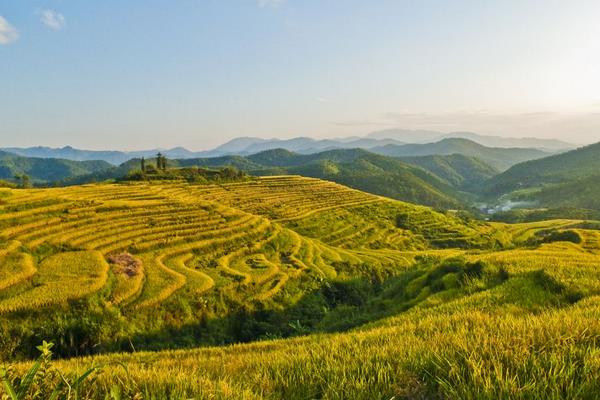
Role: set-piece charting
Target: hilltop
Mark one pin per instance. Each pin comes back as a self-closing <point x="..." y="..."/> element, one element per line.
<point x="372" y="173"/>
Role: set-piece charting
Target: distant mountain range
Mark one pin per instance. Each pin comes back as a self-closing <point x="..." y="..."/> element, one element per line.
<point x="302" y="145"/>
<point x="111" y="156"/>
<point x="422" y="136"/>
<point x="499" y="158"/>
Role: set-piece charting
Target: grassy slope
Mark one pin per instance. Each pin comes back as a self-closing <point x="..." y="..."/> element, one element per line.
<point x="254" y="240"/>
<point x="383" y="176"/>
<point x="356" y="168"/>
<point x="518" y="323"/>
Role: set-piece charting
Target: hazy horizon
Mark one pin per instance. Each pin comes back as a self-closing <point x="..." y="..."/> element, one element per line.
<point x="155" y="74"/>
<point x="134" y="149"/>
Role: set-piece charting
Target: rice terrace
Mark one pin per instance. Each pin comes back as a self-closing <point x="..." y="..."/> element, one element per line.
<point x="407" y="302"/>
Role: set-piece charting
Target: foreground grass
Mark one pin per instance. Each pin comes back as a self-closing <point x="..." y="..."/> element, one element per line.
<point x="451" y="352"/>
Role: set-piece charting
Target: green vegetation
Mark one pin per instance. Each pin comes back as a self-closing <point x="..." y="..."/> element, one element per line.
<point x="541" y="214"/>
<point x="356" y="168"/>
<point x="42" y="381"/>
<point x="565" y="186"/>
<point x="383" y="176"/>
<point x="458" y="170"/>
<point x="342" y="293"/>
<point x="581" y="193"/>
<point x="188" y="174"/>
<point x="26" y="170"/>
<point x="561" y="168"/>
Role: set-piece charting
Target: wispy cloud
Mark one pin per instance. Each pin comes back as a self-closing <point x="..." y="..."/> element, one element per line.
<point x="270" y="3"/>
<point x="8" y="33"/>
<point x="53" y="19"/>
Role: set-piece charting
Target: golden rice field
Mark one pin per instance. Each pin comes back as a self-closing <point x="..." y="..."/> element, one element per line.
<point x="343" y="294"/>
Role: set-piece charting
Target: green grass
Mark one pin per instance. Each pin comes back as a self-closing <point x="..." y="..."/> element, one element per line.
<point x="341" y="294"/>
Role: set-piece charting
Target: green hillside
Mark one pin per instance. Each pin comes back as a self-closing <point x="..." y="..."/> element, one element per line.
<point x="559" y="168"/>
<point x="499" y="158"/>
<point x="46" y="170"/>
<point x="356" y="168"/>
<point x="581" y="193"/>
<point x="161" y="287"/>
<point x="383" y="176"/>
<point x="458" y="170"/>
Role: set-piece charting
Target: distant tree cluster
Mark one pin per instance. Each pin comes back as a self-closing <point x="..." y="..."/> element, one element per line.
<point x="189" y="174"/>
<point x="23" y="181"/>
<point x="161" y="162"/>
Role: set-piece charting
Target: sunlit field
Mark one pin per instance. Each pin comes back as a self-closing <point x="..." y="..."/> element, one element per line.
<point x="343" y="294"/>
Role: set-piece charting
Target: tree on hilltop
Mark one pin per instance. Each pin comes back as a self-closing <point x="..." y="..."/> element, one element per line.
<point x="159" y="161"/>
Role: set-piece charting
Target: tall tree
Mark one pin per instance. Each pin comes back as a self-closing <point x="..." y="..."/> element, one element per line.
<point x="159" y="161"/>
<point x="143" y="164"/>
<point x="26" y="182"/>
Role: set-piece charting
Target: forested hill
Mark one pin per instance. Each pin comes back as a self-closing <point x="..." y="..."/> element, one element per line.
<point x="45" y="170"/>
<point x="458" y="170"/>
<point x="373" y="173"/>
<point x="575" y="164"/>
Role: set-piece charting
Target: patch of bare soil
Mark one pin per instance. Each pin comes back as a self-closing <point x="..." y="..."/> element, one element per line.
<point x="125" y="263"/>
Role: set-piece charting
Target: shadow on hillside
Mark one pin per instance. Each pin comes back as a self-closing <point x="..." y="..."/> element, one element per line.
<point x="334" y="306"/>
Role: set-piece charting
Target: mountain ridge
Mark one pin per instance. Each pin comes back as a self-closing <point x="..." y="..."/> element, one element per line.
<point x="249" y="145"/>
<point x="500" y="158"/>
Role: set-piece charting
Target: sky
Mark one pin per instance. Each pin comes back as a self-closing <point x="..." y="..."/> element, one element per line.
<point x="136" y="74"/>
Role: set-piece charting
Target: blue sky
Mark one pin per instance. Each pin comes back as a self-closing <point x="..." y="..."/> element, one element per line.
<point x="148" y="73"/>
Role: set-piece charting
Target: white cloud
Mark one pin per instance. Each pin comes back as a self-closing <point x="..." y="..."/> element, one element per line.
<point x="53" y="19"/>
<point x="270" y="3"/>
<point x="8" y="33"/>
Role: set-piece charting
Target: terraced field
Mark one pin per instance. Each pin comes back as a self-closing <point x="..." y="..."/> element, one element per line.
<point x="134" y="266"/>
<point x="193" y="236"/>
